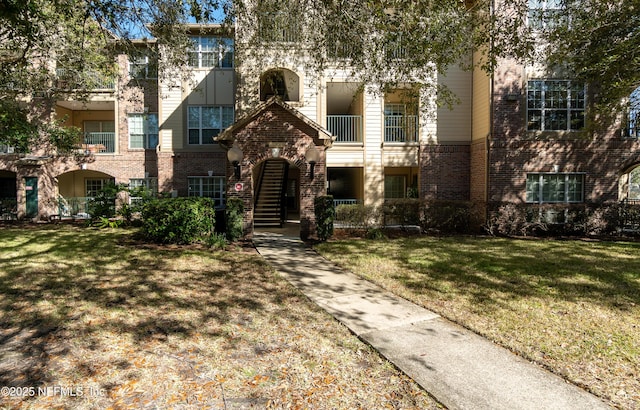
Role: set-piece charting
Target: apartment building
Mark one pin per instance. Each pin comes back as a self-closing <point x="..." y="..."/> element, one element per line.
<point x="277" y="137"/>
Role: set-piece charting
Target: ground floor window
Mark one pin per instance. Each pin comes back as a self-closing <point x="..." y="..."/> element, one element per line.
<point x="634" y="184"/>
<point x="555" y="188"/>
<point x="140" y="185"/>
<point x="395" y="186"/>
<point x="210" y="187"/>
<point x="93" y="186"/>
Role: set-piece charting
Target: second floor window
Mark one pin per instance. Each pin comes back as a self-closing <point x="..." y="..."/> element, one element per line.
<point x="143" y="67"/>
<point x="555" y="105"/>
<point x="211" y="52"/>
<point x="143" y="131"/>
<point x="204" y="123"/>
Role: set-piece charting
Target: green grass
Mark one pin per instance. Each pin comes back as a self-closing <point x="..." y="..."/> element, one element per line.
<point x="173" y="327"/>
<point x="572" y="306"/>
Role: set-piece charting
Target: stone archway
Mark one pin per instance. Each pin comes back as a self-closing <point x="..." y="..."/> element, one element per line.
<point x="275" y="131"/>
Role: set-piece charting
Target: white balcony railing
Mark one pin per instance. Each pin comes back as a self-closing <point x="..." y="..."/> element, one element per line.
<point x="346" y="128"/>
<point x="400" y="128"/>
<point x="69" y="79"/>
<point x="99" y="142"/>
<point x="343" y="201"/>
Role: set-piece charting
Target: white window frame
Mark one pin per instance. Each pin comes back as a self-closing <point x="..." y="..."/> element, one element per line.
<point x="149" y="132"/>
<point x="572" y="184"/>
<point x="213" y="187"/>
<point x="543" y="13"/>
<point x="143" y="67"/>
<point x="94" y="185"/>
<point x="219" y="50"/>
<point x="149" y="183"/>
<point x="197" y="122"/>
<point x="545" y="101"/>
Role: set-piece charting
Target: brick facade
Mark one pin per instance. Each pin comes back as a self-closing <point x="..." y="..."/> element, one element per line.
<point x="276" y="126"/>
<point x="444" y="172"/>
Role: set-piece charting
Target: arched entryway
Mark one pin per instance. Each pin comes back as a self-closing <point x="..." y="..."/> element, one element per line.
<point x="276" y="193"/>
<point x="76" y="188"/>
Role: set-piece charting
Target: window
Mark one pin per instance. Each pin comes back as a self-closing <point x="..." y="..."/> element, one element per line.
<point x="554" y="187"/>
<point x="143" y="131"/>
<point x="543" y="13"/>
<point x="394" y="186"/>
<point x="634" y="184"/>
<point x="204" y="123"/>
<point x="93" y="186"/>
<point x="555" y="105"/>
<point x="210" y="187"/>
<point x="634" y="114"/>
<point x="140" y="185"/>
<point x="273" y="83"/>
<point x="211" y="52"/>
<point x="142" y="67"/>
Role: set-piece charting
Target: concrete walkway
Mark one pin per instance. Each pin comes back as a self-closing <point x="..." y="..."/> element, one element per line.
<point x="459" y="368"/>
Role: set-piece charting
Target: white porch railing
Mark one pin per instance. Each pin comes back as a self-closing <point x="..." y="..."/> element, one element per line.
<point x="74" y="207"/>
<point x="346" y="128"/>
<point x="69" y="79"/>
<point x="400" y="128"/>
<point x="99" y="142"/>
<point x="349" y="201"/>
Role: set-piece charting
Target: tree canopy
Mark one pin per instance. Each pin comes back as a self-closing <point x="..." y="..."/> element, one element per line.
<point x="383" y="42"/>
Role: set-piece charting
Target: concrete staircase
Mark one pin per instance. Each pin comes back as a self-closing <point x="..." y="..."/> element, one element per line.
<point x="268" y="205"/>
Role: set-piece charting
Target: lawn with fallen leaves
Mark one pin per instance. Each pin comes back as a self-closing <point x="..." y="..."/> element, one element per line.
<point x="573" y="306"/>
<point x="94" y="319"/>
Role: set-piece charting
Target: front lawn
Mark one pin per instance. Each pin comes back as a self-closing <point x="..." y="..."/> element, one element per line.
<point x="94" y="319"/>
<point x="571" y="306"/>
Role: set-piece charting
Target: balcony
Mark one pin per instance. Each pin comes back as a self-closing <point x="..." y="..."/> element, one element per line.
<point x="71" y="80"/>
<point x="400" y="128"/>
<point x="279" y="27"/>
<point x="99" y="142"/>
<point x="346" y="128"/>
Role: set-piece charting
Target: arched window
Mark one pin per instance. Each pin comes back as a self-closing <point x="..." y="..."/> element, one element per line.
<point x="634" y="114"/>
<point x="280" y="82"/>
<point x="634" y="184"/>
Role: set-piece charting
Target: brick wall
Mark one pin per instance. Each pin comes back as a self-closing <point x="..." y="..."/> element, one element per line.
<point x="277" y="126"/>
<point x="445" y="172"/>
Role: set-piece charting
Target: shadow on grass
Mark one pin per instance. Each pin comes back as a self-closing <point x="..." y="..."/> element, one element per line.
<point x="62" y="283"/>
<point x="493" y="269"/>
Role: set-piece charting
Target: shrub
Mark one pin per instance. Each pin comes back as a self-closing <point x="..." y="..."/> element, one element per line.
<point x="447" y="216"/>
<point x="178" y="220"/>
<point x="402" y="212"/>
<point x="325" y="213"/>
<point x="512" y="219"/>
<point x="103" y="204"/>
<point x="234" y="213"/>
<point x="357" y="217"/>
<point x="216" y="240"/>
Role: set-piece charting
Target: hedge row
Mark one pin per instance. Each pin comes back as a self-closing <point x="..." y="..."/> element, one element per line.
<point x="504" y="219"/>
